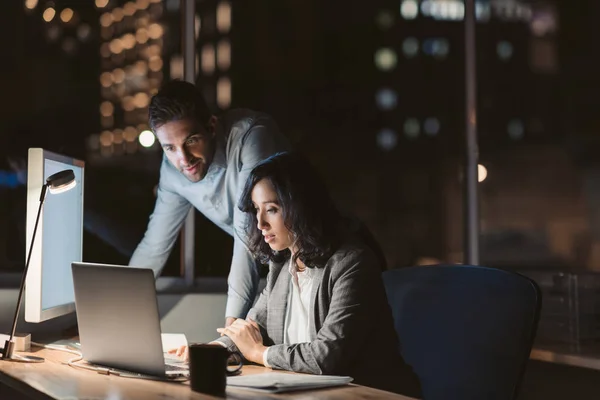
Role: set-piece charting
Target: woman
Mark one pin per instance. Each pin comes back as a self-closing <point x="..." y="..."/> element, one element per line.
<point x="324" y="308"/>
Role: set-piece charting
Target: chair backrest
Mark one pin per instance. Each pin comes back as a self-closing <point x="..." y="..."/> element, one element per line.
<point x="467" y="331"/>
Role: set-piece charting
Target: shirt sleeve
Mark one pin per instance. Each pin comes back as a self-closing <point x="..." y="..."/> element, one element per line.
<point x="260" y="142"/>
<point x="258" y="313"/>
<point x="165" y="222"/>
<point x="242" y="281"/>
<point x="265" y="356"/>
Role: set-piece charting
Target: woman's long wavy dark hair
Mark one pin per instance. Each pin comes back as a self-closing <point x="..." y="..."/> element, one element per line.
<point x="307" y="208"/>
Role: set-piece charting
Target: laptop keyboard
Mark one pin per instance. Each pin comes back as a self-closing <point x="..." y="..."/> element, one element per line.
<point x="176" y="368"/>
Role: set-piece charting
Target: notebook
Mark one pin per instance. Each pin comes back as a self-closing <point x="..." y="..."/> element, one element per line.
<point x="273" y="382"/>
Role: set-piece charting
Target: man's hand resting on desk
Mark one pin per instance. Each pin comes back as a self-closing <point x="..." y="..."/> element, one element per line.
<point x="247" y="337"/>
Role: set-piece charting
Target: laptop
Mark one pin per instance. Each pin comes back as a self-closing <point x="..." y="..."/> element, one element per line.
<point x="119" y="324"/>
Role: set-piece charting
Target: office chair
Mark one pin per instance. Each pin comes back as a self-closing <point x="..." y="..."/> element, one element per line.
<point x="466" y="331"/>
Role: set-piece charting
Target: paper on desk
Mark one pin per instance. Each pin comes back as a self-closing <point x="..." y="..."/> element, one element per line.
<point x="274" y="382"/>
<point x="173" y="341"/>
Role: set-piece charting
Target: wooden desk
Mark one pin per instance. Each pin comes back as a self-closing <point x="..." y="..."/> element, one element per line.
<point x="54" y="380"/>
<point x="584" y="356"/>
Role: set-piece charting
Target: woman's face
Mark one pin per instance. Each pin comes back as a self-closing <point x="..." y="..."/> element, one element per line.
<point x="270" y="217"/>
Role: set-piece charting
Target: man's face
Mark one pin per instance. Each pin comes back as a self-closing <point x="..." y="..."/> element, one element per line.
<point x="188" y="145"/>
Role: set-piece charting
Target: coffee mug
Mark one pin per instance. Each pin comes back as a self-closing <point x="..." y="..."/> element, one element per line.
<point x="209" y="366"/>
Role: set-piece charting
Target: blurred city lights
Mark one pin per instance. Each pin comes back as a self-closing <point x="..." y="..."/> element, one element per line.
<point x="412" y="128"/>
<point x="69" y="45"/>
<point x="49" y="14"/>
<point x="129" y="9"/>
<point x="141" y="100"/>
<point x="129" y="134"/>
<point x="515" y="129"/>
<point x="436" y="47"/>
<point x="197" y="25"/>
<point x="66" y="15"/>
<point x="385" y="20"/>
<point x="409" y="9"/>
<point x="53" y="32"/>
<point x="83" y="32"/>
<point x="117" y="136"/>
<point x="141" y="35"/>
<point x="143" y="4"/>
<point x="387" y="139"/>
<point x="155" y="31"/>
<point x="118" y="14"/>
<point x="106" y="19"/>
<point x="131" y="52"/>
<point x="386" y="99"/>
<point x="224" y="92"/>
<point x="481" y="173"/>
<point x="452" y="10"/>
<point x="431" y="126"/>
<point x="118" y="75"/>
<point x="155" y="63"/>
<point x="385" y="59"/>
<point x="224" y="54"/>
<point x="504" y="50"/>
<point x="101" y="3"/>
<point x="106" y="109"/>
<point x="31" y="4"/>
<point x="410" y="47"/>
<point x="208" y="59"/>
<point x="146" y="138"/>
<point x="106" y="138"/>
<point x="224" y="17"/>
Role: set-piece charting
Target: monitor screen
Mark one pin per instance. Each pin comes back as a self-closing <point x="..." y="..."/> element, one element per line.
<point x="59" y="237"/>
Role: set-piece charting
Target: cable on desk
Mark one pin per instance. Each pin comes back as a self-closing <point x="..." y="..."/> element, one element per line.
<point x="73" y="362"/>
<point x="56" y="347"/>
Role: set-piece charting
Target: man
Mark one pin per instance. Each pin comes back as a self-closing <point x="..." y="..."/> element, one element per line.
<point x="205" y="165"/>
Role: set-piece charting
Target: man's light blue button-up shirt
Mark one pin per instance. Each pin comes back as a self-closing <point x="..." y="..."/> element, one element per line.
<point x="243" y="139"/>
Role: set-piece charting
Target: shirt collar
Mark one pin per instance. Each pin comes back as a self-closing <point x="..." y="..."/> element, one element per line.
<point x="294" y="272"/>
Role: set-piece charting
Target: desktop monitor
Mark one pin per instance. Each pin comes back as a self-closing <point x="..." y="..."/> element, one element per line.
<point x="59" y="239"/>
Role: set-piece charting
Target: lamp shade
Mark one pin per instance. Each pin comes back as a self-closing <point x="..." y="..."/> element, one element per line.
<point x="61" y="181"/>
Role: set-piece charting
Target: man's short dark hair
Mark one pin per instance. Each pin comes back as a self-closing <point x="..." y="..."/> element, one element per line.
<point x="175" y="101"/>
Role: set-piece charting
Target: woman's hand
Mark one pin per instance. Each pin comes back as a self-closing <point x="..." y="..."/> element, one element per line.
<point x="247" y="337"/>
<point x="182" y="352"/>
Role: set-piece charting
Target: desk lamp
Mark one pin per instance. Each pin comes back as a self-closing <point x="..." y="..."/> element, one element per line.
<point x="57" y="183"/>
